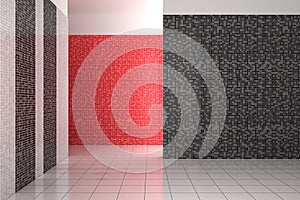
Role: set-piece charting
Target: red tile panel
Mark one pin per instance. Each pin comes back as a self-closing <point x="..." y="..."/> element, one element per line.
<point x="145" y="102"/>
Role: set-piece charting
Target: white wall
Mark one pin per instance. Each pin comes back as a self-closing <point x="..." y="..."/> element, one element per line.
<point x="231" y="6"/>
<point x="62" y="5"/>
<point x="62" y="87"/>
<point x="7" y="98"/>
<point x="39" y="89"/>
<point x="115" y="16"/>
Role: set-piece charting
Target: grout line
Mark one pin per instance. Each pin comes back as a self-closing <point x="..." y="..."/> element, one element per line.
<point x="261" y="182"/>
<point x="121" y="186"/>
<point x="165" y="173"/>
<point x="191" y="182"/>
<point x="217" y="185"/>
<point x="221" y="167"/>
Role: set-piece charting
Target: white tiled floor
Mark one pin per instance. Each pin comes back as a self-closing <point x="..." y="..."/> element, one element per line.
<point x="81" y="177"/>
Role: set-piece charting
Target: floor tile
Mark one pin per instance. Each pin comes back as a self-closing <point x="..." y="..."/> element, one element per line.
<point x="179" y="182"/>
<point x="113" y="177"/>
<point x="132" y="188"/>
<point x="220" y="176"/>
<point x="64" y="182"/>
<point x="225" y="182"/>
<point x="131" y="196"/>
<point x="241" y="176"/>
<point x="92" y="177"/>
<point x="265" y="196"/>
<point x="232" y="189"/>
<point x="238" y="196"/>
<point x="284" y="176"/>
<point x="111" y="182"/>
<point x="24" y="196"/>
<point x="158" y="196"/>
<point x="263" y="176"/>
<point x="32" y="189"/>
<point x="110" y="188"/>
<point x="156" y="182"/>
<point x="248" y="182"/>
<point x="50" y="196"/>
<point x="70" y="176"/>
<point x="281" y="188"/>
<point x="271" y="182"/>
<point x="291" y="182"/>
<point x="155" y="176"/>
<point x="81" y="188"/>
<point x="87" y="182"/>
<point x="76" y="171"/>
<point x="85" y="178"/>
<point x="185" y="188"/>
<point x="157" y="188"/>
<point x="199" y="176"/>
<point x="58" y="189"/>
<point x="178" y="176"/>
<point x="211" y="196"/>
<point x="206" y="189"/>
<point x="296" y="187"/>
<point x="182" y="196"/>
<point x="134" y="182"/>
<point x="49" y="176"/>
<point x="77" y="196"/>
<point x="104" y="196"/>
<point x="256" y="188"/>
<point x="289" y="196"/>
<point x="202" y="182"/>
<point x="135" y="176"/>
<point x="44" y="182"/>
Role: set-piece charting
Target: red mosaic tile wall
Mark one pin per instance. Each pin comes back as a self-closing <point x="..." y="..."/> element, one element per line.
<point x="145" y="102"/>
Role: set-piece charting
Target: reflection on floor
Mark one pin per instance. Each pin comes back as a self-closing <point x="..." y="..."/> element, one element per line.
<point x="82" y="177"/>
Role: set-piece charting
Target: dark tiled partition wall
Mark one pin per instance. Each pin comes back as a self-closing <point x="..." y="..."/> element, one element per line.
<point x="28" y="79"/>
<point x="25" y="39"/>
<point x="25" y="92"/>
<point x="258" y="58"/>
<point x="49" y="85"/>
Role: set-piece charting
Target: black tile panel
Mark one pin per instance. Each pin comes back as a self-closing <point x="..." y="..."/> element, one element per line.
<point x="49" y="85"/>
<point x="258" y="58"/>
<point x="25" y="92"/>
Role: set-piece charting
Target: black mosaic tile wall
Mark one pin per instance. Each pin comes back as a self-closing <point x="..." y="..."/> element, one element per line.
<point x="258" y="58"/>
<point x="49" y="85"/>
<point x="25" y="92"/>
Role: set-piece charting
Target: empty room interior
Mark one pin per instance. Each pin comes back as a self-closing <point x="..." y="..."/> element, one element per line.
<point x="150" y="100"/>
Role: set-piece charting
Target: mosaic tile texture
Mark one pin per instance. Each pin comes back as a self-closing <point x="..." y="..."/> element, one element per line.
<point x="25" y="92"/>
<point x="49" y="85"/>
<point x="62" y="86"/>
<point x="7" y="98"/>
<point x="79" y="48"/>
<point x="27" y="42"/>
<point x="39" y="89"/>
<point x="259" y="60"/>
<point x="140" y="101"/>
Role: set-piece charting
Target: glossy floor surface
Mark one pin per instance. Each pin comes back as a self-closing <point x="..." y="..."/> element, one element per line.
<point x="82" y="177"/>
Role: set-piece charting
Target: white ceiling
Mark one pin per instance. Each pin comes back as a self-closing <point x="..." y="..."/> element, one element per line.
<point x="120" y="16"/>
<point x="115" y="16"/>
<point x="183" y="6"/>
<point x="111" y="6"/>
<point x="231" y="7"/>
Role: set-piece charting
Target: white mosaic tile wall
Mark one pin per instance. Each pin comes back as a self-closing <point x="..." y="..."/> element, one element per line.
<point x="62" y="87"/>
<point x="8" y="95"/>
<point x="7" y="98"/>
<point x="39" y="92"/>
